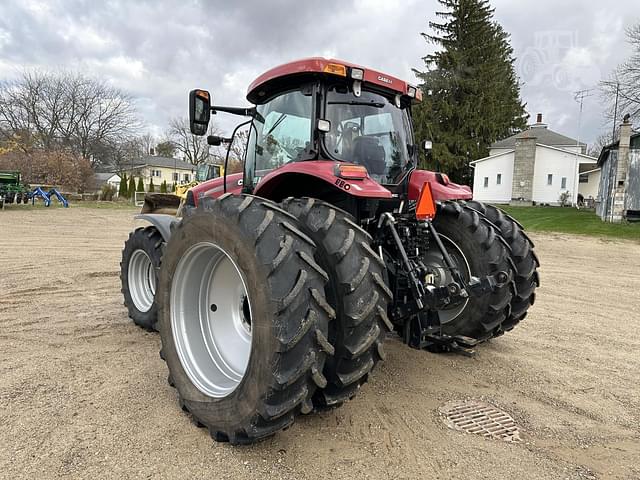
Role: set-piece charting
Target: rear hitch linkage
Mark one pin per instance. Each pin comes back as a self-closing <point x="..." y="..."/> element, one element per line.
<point x="420" y="315"/>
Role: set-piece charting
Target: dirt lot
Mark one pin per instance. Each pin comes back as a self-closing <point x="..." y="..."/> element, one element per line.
<point x="83" y="392"/>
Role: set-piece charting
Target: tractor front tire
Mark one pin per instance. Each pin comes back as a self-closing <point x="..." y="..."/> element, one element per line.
<point x="480" y="250"/>
<point x="524" y="259"/>
<point x="141" y="258"/>
<point x="243" y="318"/>
<point x="357" y="292"/>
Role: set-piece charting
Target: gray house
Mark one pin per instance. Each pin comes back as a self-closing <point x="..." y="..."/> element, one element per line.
<point x="619" y="190"/>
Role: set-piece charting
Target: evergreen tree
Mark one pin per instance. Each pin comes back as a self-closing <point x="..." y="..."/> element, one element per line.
<point x="122" y="190"/>
<point x="471" y="91"/>
<point x="152" y="187"/>
<point x="140" y="187"/>
<point x="163" y="187"/>
<point x="132" y="187"/>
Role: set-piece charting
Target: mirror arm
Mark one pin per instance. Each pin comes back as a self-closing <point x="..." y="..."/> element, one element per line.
<point x="245" y="112"/>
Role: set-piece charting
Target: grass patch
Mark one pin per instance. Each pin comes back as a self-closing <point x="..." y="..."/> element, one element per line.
<point x="570" y="220"/>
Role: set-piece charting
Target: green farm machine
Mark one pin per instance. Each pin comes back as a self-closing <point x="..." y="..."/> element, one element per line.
<point x="11" y="189"/>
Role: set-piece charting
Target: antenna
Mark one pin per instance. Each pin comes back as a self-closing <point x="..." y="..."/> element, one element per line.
<point x="579" y="97"/>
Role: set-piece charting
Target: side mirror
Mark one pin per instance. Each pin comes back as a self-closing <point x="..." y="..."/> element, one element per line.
<point x="199" y="111"/>
<point x="216" y="141"/>
<point x="428" y="145"/>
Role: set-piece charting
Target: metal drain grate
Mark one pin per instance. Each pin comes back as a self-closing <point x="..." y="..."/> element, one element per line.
<point x="480" y="418"/>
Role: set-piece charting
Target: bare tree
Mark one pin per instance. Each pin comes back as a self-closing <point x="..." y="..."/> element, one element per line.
<point x="624" y="82"/>
<point x="601" y="141"/>
<point x="239" y="145"/>
<point x="148" y="142"/>
<point x="60" y="110"/>
<point x="193" y="148"/>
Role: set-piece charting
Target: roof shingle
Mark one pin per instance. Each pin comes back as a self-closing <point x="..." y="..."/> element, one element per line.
<point x="542" y="135"/>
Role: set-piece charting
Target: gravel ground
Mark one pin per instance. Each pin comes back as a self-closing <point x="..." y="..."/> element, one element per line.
<point x="83" y="392"/>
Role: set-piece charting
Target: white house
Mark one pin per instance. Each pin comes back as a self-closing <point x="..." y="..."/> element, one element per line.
<point x="107" y="178"/>
<point x="589" y="181"/>
<point x="535" y="165"/>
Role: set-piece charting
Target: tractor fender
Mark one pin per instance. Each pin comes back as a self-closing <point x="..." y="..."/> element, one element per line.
<point x="161" y="221"/>
<point x="214" y="187"/>
<point x="441" y="188"/>
<point x="305" y="177"/>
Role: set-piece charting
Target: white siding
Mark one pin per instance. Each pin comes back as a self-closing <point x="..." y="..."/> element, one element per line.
<point x="490" y="168"/>
<point x="590" y="189"/>
<point x="559" y="164"/>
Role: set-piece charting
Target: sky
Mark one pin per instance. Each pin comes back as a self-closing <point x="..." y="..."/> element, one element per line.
<point x="159" y="50"/>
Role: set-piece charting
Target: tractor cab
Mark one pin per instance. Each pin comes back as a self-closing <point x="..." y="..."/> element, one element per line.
<point x="320" y="109"/>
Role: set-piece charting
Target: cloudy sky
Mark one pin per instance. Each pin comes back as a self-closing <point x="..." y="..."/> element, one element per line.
<point x="159" y="50"/>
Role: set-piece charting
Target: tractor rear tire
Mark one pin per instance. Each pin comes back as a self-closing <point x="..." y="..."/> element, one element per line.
<point x="141" y="258"/>
<point x="523" y="256"/>
<point x="357" y="292"/>
<point x="251" y="380"/>
<point x="486" y="253"/>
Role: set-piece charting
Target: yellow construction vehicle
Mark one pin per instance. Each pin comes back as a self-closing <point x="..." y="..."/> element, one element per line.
<point x="170" y="203"/>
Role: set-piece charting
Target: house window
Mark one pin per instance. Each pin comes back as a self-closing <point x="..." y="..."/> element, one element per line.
<point x="156" y="173"/>
<point x="175" y="176"/>
<point x="499" y="179"/>
<point x="563" y="182"/>
<point x="550" y="179"/>
<point x="486" y="182"/>
<point x="185" y="177"/>
<point x="584" y="178"/>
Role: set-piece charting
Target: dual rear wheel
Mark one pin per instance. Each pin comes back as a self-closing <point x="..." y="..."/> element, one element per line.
<point x="268" y="311"/>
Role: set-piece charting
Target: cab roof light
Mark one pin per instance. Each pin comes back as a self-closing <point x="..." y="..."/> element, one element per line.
<point x="335" y="69"/>
<point x="351" y="171"/>
<point x="426" y="207"/>
<point x="357" y="73"/>
<point x="411" y="91"/>
<point x="202" y="93"/>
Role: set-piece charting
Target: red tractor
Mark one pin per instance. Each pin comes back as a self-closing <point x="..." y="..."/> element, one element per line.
<point x="277" y="286"/>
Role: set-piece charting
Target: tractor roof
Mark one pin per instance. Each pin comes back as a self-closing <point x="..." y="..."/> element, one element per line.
<point x="283" y="74"/>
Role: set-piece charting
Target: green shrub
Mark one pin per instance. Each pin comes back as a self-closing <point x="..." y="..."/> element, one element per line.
<point x="140" y="187"/>
<point x="152" y="187"/>
<point x="122" y="192"/>
<point x="163" y="187"/>
<point x="107" y="192"/>
<point x="132" y="187"/>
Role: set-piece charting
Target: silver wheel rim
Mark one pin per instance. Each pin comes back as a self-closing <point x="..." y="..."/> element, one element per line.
<point x="142" y="280"/>
<point x="211" y="319"/>
<point x="442" y="276"/>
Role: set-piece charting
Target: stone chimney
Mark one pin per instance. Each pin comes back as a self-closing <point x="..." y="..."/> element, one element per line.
<point x="539" y="118"/>
<point x="622" y="168"/>
<point x="524" y="159"/>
